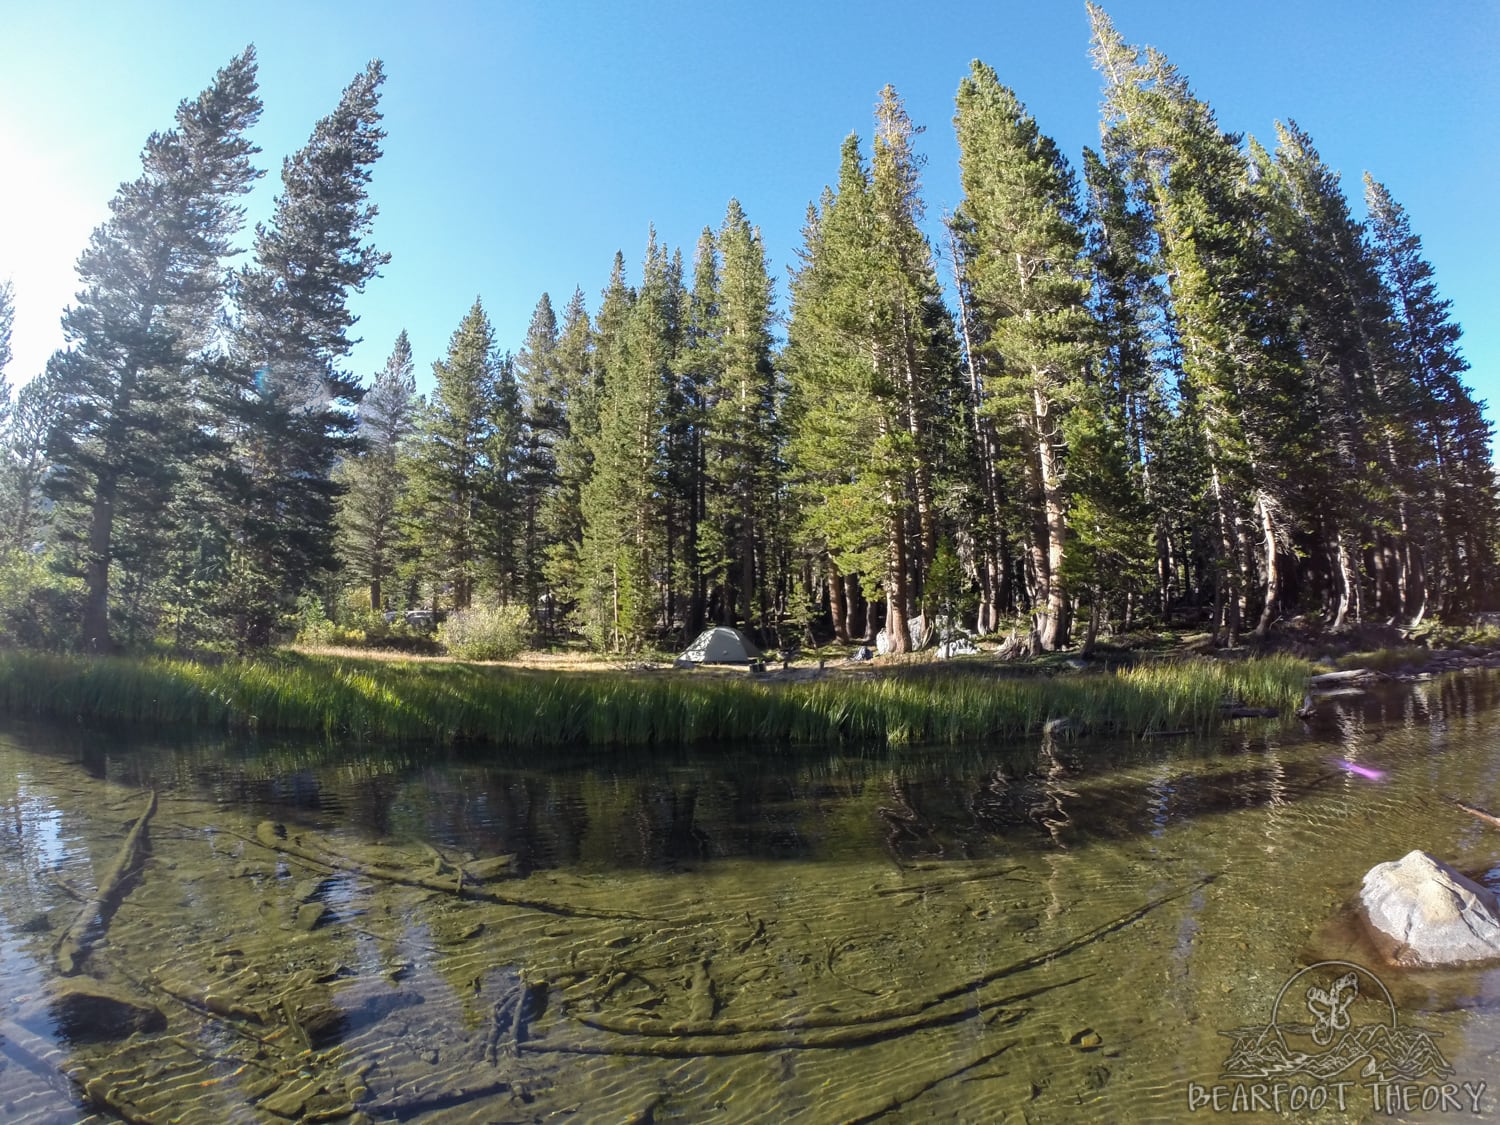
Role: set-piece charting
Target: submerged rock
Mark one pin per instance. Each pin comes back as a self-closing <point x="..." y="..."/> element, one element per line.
<point x="1430" y="913"/>
<point x="87" y="1011"/>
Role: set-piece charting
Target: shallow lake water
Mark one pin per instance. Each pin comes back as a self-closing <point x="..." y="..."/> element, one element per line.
<point x="1054" y="931"/>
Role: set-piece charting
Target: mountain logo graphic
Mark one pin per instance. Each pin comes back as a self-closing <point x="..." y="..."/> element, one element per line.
<point x="1353" y="1027"/>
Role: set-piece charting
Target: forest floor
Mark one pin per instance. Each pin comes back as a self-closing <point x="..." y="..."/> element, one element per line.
<point x="1400" y="653"/>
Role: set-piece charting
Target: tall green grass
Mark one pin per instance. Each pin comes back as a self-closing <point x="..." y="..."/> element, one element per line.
<point x="458" y="703"/>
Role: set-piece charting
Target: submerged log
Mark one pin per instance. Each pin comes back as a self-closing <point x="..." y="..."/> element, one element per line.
<point x="276" y="838"/>
<point x="1477" y="812"/>
<point x="892" y="1103"/>
<point x="73" y="946"/>
<point x="966" y="992"/>
<point x="1239" y="711"/>
<point x="808" y="1039"/>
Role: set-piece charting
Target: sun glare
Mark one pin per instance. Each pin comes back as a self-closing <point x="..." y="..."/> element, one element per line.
<point x="44" y="224"/>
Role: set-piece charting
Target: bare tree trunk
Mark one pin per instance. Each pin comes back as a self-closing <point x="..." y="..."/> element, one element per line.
<point x="1273" y="570"/>
<point x="897" y="631"/>
<point x="1348" y="582"/>
<point x="1226" y="585"/>
<point x="1054" y="632"/>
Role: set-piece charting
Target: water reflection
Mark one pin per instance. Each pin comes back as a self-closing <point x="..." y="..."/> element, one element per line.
<point x="658" y="907"/>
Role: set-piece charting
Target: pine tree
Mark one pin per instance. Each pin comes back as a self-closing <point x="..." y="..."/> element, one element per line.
<point x="1023" y="248"/>
<point x="504" y="495"/>
<point x="153" y="288"/>
<point x="373" y="480"/>
<point x="544" y="427"/>
<point x="291" y="417"/>
<point x="704" y="557"/>
<point x="625" y="560"/>
<point x="740" y="426"/>
<point x="1450" y="437"/>
<point x="23" y="443"/>
<point x="1239" y="368"/>
<point x="452" y="474"/>
<point x="1349" y="494"/>
<point x="872" y="366"/>
<point x="561" y="514"/>
<point x="1129" y="402"/>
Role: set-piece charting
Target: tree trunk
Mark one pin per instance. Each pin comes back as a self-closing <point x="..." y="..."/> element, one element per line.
<point x="96" y="575"/>
<point x="1348" y="589"/>
<point x="1091" y="634"/>
<point x="859" y="610"/>
<point x="1273" y="571"/>
<point x="837" y="605"/>
<point x="897" y="631"/>
<point x="1053" y="628"/>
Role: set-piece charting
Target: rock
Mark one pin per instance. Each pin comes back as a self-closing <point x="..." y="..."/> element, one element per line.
<point x="1087" y="1040"/>
<point x="1429" y="913"/>
<point x="309" y="914"/>
<point x="290" y="1100"/>
<point x="87" y="1011"/>
<point x="487" y="870"/>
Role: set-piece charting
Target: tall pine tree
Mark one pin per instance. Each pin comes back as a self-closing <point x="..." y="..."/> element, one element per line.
<point x="1022" y="244"/>
<point x="291" y="416"/>
<point x="153" y="286"/>
<point x="451" y="513"/>
<point x="374" y="481"/>
<point x="1451" y="439"/>
<point x="741" y="431"/>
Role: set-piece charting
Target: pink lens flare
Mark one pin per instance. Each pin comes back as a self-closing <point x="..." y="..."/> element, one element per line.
<point x="1369" y="773"/>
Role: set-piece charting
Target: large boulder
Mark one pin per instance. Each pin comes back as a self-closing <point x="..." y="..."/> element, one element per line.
<point x="1429" y="913"/>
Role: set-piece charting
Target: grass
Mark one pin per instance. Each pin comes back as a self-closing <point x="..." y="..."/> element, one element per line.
<point x="450" y="703"/>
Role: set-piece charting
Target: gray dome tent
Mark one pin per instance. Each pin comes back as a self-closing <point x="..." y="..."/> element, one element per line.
<point x="719" y="645"/>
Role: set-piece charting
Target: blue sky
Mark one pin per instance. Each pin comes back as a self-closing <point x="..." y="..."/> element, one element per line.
<point x="529" y="141"/>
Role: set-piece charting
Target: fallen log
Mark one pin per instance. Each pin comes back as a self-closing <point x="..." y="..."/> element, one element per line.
<point x="892" y="1103"/>
<point x="1478" y="813"/>
<point x="965" y="991"/>
<point x="941" y="884"/>
<point x="1342" y="677"/>
<point x="807" y="1039"/>
<point x="1337" y="693"/>
<point x="73" y="946"/>
<point x="276" y="838"/>
<point x="1237" y="711"/>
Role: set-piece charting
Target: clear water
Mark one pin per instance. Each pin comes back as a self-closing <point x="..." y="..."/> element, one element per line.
<point x="1051" y="932"/>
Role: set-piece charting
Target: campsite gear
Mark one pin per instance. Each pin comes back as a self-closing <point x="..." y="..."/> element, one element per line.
<point x="718" y="645"/>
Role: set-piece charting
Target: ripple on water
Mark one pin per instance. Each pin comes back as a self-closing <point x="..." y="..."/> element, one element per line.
<point x="1048" y="933"/>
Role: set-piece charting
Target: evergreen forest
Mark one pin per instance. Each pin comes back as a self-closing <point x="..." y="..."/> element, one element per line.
<point x="1183" y="380"/>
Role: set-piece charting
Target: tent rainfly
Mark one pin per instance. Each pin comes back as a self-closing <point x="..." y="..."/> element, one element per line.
<point x="719" y="645"/>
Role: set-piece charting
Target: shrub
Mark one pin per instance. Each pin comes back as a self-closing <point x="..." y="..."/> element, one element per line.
<point x="39" y="607"/>
<point x="310" y="623"/>
<point x="485" y="633"/>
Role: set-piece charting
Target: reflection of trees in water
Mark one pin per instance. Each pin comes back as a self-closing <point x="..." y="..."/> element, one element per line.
<point x="671" y="807"/>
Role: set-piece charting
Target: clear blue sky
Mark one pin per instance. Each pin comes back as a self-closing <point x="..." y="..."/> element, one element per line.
<point x="529" y="141"/>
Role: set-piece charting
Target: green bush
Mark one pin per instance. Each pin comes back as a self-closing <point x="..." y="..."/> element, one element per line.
<point x="39" y="608"/>
<point x="310" y="624"/>
<point x="485" y="633"/>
